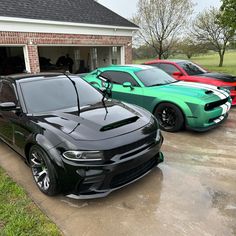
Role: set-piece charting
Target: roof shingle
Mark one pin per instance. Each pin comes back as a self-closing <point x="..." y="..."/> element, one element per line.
<point x="75" y="11"/>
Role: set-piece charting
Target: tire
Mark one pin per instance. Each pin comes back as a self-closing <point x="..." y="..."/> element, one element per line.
<point x="170" y="117"/>
<point x="43" y="171"/>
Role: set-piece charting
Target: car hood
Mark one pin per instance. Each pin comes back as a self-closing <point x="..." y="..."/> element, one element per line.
<point x="219" y="76"/>
<point x="193" y="90"/>
<point x="95" y="122"/>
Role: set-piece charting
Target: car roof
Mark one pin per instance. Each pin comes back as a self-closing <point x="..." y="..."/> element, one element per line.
<point x="29" y="76"/>
<point x="129" y="68"/>
<point x="166" y="60"/>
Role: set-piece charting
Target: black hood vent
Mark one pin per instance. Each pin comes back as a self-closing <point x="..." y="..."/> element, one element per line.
<point x="209" y="92"/>
<point x="119" y="123"/>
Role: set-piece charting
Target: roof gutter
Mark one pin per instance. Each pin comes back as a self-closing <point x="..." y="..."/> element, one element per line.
<point x="61" y="23"/>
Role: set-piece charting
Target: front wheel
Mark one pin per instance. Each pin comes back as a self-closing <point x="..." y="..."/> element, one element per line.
<point x="170" y="117"/>
<point x="43" y="171"/>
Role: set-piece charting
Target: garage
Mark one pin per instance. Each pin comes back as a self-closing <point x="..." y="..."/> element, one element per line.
<point x="11" y="60"/>
<point x="77" y="59"/>
<point x="59" y="39"/>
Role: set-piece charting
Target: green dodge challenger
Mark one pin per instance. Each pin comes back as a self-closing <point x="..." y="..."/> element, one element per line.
<point x="175" y="104"/>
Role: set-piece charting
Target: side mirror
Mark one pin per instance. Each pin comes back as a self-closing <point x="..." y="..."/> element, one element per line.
<point x="177" y="73"/>
<point x="128" y="85"/>
<point x="7" y="106"/>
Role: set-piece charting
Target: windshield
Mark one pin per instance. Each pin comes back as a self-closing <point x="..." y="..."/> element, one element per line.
<point x="154" y="76"/>
<point x="57" y="93"/>
<point x="191" y="68"/>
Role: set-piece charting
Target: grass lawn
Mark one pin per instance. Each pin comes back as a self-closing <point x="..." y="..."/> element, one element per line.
<point x="210" y="61"/>
<point x="19" y="215"/>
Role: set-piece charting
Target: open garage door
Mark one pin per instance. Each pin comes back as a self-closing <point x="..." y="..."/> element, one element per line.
<point x="77" y="59"/>
<point x="11" y="60"/>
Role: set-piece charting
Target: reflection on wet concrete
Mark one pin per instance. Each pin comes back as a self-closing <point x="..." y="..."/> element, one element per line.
<point x="192" y="193"/>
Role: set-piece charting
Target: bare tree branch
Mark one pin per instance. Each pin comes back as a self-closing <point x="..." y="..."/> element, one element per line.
<point x="162" y="22"/>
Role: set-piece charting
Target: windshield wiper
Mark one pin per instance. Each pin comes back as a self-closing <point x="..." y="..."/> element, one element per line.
<point x="76" y="91"/>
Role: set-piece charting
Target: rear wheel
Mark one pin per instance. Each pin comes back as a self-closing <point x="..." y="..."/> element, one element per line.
<point x="170" y="117"/>
<point x="43" y="171"/>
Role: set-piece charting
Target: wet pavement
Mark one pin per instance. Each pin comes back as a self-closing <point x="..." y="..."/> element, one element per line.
<point x="192" y="193"/>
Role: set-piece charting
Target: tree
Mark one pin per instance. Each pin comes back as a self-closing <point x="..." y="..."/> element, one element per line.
<point x="161" y="22"/>
<point x="207" y="29"/>
<point x="228" y="13"/>
<point x="190" y="47"/>
<point x="144" y="51"/>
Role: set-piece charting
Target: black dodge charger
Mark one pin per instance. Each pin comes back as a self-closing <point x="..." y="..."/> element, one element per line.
<point x="76" y="141"/>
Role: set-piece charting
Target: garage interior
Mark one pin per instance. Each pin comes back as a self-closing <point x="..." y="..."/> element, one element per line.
<point x="84" y="59"/>
<point x="52" y="58"/>
<point x="11" y="60"/>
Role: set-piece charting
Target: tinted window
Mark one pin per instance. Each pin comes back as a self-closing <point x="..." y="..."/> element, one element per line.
<point x="191" y="68"/>
<point x="154" y="76"/>
<point x="118" y="77"/>
<point x="168" y="68"/>
<point x="57" y="94"/>
<point x="7" y="93"/>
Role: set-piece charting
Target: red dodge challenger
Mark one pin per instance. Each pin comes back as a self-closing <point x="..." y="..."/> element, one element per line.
<point x="188" y="71"/>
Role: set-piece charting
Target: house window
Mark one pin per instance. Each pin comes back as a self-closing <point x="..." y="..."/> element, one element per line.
<point x="116" y="52"/>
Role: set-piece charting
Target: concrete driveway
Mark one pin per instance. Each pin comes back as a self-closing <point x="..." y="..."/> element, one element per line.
<point x="192" y="193"/>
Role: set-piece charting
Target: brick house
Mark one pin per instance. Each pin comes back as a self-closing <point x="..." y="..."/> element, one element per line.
<point x="34" y="33"/>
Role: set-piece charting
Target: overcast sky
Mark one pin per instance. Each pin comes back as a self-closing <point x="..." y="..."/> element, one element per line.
<point x="127" y="8"/>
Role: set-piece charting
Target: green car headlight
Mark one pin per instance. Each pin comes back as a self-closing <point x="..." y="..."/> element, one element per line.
<point x="83" y="155"/>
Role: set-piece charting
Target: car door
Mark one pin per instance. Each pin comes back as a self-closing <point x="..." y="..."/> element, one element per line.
<point x="14" y="127"/>
<point x="131" y="94"/>
<point x="7" y="94"/>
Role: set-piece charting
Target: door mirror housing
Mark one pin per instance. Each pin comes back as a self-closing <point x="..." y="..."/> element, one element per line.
<point x="128" y="85"/>
<point x="7" y="106"/>
<point x="177" y="73"/>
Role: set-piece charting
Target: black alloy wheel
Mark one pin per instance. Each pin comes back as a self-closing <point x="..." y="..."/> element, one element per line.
<point x="170" y="117"/>
<point x="43" y="171"/>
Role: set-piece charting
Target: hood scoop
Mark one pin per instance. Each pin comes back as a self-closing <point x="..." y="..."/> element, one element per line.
<point x="119" y="123"/>
<point x="209" y="92"/>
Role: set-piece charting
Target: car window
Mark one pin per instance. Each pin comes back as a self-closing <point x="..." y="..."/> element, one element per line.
<point x="57" y="94"/>
<point x="7" y="93"/>
<point x="168" y="68"/>
<point x="191" y="68"/>
<point x="154" y="77"/>
<point x="118" y="77"/>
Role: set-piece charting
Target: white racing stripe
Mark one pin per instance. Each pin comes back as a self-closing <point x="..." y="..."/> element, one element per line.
<point x="199" y="84"/>
<point x="219" y="119"/>
<point x="220" y="93"/>
<point x="225" y="108"/>
<point x="205" y="86"/>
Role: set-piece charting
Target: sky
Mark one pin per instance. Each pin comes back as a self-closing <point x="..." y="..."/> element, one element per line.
<point x="127" y="8"/>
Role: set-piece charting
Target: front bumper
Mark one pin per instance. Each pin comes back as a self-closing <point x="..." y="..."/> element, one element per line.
<point x="208" y="119"/>
<point x="210" y="126"/>
<point x="95" y="181"/>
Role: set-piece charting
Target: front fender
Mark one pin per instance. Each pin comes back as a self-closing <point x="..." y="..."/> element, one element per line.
<point x="183" y="106"/>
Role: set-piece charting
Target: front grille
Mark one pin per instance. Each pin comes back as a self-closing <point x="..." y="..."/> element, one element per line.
<point x="212" y="105"/>
<point x="132" y="174"/>
<point x="129" y="147"/>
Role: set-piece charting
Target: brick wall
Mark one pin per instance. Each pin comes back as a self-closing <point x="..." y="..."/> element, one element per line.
<point x="31" y="40"/>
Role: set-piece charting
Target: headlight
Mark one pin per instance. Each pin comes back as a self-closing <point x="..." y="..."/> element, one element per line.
<point x="83" y="155"/>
